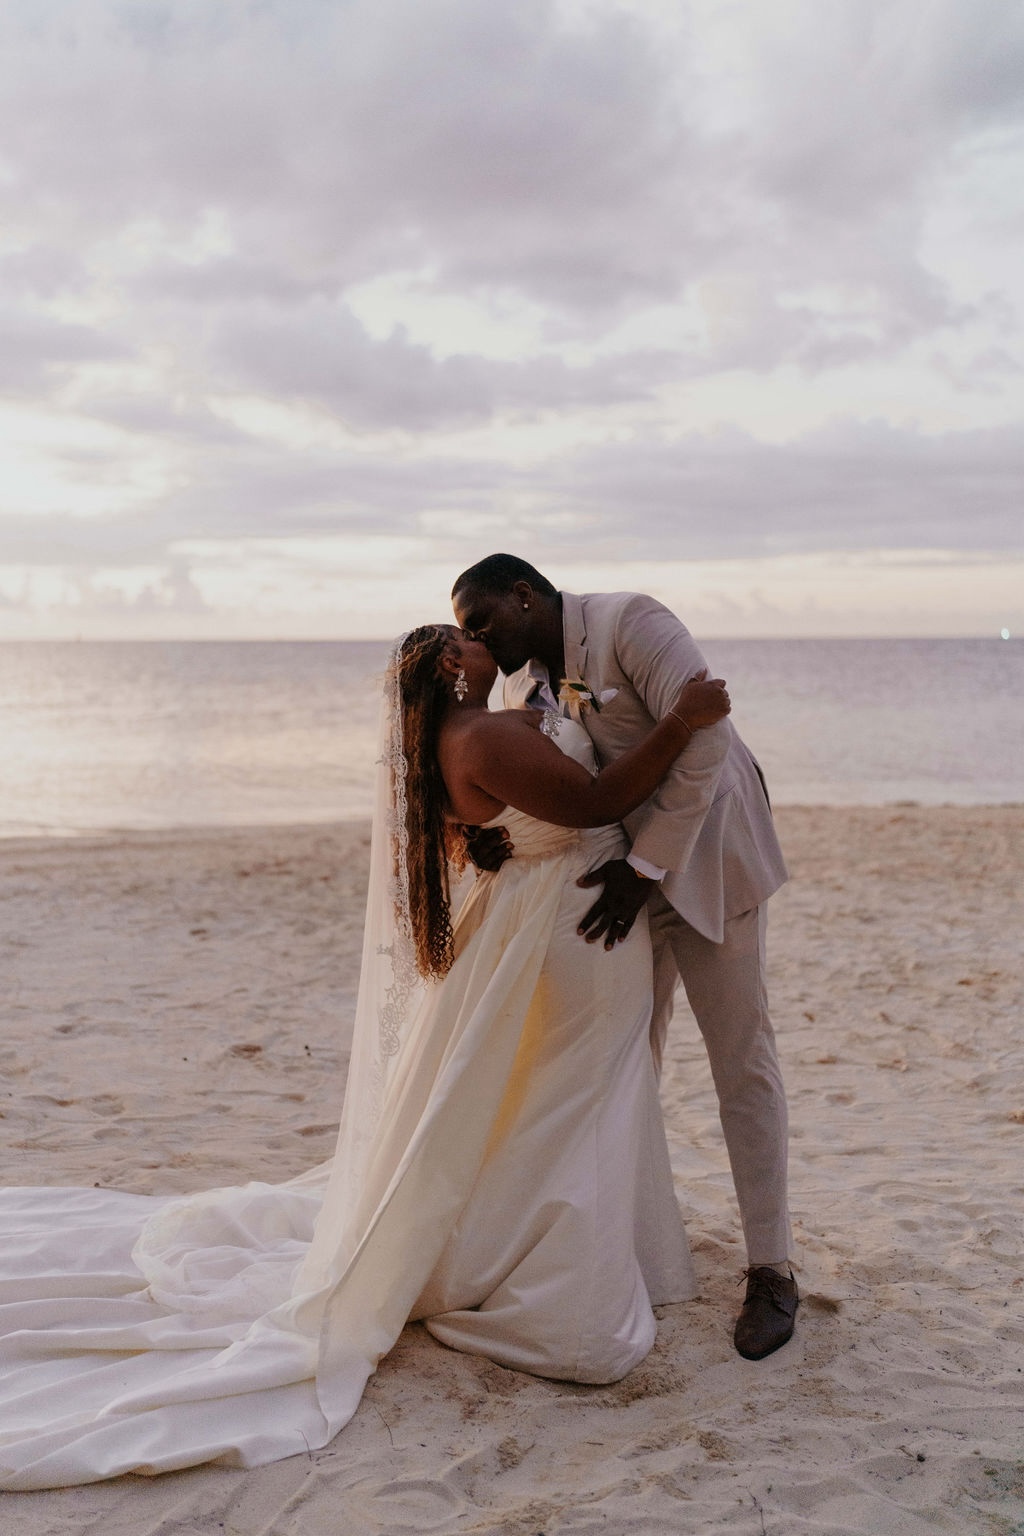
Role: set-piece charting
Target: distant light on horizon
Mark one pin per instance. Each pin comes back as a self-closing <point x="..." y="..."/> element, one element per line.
<point x="1005" y="634"/>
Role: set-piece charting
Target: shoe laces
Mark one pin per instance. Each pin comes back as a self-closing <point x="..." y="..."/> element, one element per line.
<point x="766" y="1283"/>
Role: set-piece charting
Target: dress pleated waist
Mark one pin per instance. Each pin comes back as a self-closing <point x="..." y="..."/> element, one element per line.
<point x="533" y="839"/>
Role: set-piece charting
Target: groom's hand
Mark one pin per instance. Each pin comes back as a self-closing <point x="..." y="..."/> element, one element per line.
<point x="614" y="912"/>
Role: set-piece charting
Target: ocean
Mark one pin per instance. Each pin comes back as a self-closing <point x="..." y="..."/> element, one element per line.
<point x="121" y="735"/>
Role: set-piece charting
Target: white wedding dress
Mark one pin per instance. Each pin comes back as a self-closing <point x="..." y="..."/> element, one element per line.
<point x="501" y="1173"/>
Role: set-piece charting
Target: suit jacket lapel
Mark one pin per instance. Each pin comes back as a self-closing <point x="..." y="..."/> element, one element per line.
<point x="574" y="638"/>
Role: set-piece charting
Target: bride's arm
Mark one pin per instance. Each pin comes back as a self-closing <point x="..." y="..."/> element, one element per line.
<point x="508" y="758"/>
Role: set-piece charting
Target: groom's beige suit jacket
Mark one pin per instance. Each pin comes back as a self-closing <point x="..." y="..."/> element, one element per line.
<point x="709" y="824"/>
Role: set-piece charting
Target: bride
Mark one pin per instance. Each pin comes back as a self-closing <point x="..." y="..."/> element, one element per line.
<point x="501" y="1170"/>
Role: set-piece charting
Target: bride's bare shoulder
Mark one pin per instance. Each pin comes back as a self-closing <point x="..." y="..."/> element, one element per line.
<point x="486" y="732"/>
<point x="479" y="749"/>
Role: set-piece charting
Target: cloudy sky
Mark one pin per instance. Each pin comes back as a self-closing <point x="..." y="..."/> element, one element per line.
<point x="307" y="304"/>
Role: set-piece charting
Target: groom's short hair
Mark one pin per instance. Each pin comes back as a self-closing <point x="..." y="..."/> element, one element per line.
<point x="499" y="573"/>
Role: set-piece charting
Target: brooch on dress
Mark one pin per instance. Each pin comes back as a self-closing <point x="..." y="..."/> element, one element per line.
<point x="550" y="722"/>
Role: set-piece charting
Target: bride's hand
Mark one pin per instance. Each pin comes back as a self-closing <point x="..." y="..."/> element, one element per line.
<point x="488" y="847"/>
<point x="702" y="701"/>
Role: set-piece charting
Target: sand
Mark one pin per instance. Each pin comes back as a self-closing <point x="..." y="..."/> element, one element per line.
<point x="176" y="1014"/>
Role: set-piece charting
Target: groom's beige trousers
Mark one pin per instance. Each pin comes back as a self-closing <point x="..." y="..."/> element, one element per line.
<point x="725" y="987"/>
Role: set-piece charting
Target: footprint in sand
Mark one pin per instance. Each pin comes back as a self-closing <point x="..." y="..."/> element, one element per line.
<point x="105" y="1104"/>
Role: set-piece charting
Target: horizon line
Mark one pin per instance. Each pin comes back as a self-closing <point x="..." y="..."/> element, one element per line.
<point x="384" y="639"/>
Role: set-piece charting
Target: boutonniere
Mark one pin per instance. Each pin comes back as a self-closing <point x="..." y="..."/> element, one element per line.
<point x="575" y="691"/>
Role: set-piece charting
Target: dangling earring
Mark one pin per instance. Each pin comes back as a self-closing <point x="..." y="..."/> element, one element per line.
<point x="461" y="686"/>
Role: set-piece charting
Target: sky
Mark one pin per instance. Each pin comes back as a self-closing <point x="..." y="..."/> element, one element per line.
<point x="306" y="305"/>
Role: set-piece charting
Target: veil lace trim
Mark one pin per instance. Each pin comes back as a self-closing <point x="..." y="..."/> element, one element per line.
<point x="393" y="767"/>
<point x="390" y="985"/>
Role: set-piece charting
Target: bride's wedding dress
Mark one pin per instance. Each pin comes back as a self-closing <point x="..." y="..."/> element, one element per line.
<point x="501" y="1173"/>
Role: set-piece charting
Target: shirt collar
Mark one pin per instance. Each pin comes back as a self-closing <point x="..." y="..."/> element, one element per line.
<point x="542" y="694"/>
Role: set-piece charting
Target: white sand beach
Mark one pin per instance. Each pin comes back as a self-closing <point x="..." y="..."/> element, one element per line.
<point x="176" y="1014"/>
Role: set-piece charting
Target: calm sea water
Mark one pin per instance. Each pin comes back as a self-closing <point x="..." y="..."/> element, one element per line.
<point x="164" y="734"/>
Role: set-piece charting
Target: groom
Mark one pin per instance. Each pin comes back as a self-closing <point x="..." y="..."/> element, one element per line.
<point x="704" y="860"/>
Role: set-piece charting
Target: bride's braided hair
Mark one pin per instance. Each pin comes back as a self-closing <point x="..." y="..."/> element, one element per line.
<point x="430" y="842"/>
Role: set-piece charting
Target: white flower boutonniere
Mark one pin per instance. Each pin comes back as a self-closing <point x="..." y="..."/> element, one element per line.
<point x="577" y="695"/>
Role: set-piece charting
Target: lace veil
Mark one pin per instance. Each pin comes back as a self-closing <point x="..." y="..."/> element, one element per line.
<point x="390" y="985"/>
<point x="233" y="1251"/>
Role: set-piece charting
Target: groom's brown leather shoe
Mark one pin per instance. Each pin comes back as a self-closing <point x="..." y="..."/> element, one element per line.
<point x="766" y="1319"/>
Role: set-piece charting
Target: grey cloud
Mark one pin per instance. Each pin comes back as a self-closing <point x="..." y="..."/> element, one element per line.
<point x="148" y="413"/>
<point x="40" y="271"/>
<point x="219" y="175"/>
<point x="850" y="486"/>
<point x="852" y="130"/>
<point x="344" y="138"/>
<point x="34" y="348"/>
<point x="500" y="149"/>
<point x="259" y="494"/>
<point x="877" y="322"/>
<point x="174" y="591"/>
<point x="857" y="114"/>
<point x="231" y="281"/>
<point x="245" y="491"/>
<point x="987" y="372"/>
<point x="64" y="540"/>
<point x="323" y="355"/>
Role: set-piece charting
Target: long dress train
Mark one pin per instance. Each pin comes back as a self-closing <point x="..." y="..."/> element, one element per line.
<point x="511" y="1187"/>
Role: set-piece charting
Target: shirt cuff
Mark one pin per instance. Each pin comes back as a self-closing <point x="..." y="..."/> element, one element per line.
<point x="652" y="871"/>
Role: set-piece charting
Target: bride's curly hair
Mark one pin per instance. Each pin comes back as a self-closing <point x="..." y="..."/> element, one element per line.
<point x="433" y="841"/>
